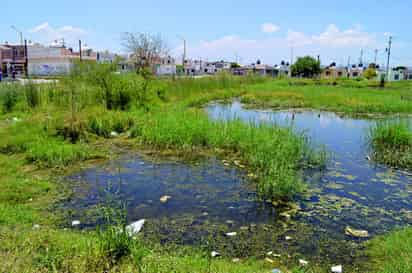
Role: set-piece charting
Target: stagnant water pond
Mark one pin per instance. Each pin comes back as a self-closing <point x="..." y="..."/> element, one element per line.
<point x="209" y="198"/>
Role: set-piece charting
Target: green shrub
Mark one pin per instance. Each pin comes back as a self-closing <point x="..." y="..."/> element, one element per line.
<point x="9" y="99"/>
<point x="103" y="123"/>
<point x="32" y="94"/>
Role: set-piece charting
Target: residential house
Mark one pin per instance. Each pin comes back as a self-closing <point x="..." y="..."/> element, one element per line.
<point x="193" y="67"/>
<point x="334" y="72"/>
<point x="54" y="60"/>
<point x="164" y="66"/>
<point x="408" y="74"/>
<point x="356" y="71"/>
<point x="12" y="59"/>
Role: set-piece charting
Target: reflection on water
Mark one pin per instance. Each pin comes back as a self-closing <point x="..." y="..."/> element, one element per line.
<point x="209" y="199"/>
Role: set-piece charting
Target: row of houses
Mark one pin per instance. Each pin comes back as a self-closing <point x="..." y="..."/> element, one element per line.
<point x="356" y="71"/>
<point x="40" y="60"/>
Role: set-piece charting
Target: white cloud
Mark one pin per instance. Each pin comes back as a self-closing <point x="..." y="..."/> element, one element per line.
<point x="47" y="33"/>
<point x="333" y="37"/>
<point x="269" y="28"/>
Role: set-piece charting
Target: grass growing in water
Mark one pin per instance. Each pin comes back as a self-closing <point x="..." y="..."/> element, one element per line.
<point x="275" y="154"/>
<point x="391" y="143"/>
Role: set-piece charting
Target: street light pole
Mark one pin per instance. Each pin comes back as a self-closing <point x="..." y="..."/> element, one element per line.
<point x="20" y="34"/>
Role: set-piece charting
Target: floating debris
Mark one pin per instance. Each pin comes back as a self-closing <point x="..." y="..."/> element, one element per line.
<point x="214" y="254"/>
<point x="165" y="198"/>
<point x="337" y="269"/>
<point x="231" y="234"/>
<point x="135" y="227"/>
<point x="303" y="262"/>
<point x="288" y="238"/>
<point x="356" y="232"/>
<point x="75" y="223"/>
<point x="269" y="260"/>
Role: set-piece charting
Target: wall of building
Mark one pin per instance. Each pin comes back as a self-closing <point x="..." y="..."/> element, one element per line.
<point x="49" y="67"/>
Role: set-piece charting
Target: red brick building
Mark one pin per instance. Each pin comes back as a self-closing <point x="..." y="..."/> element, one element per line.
<point x="12" y="58"/>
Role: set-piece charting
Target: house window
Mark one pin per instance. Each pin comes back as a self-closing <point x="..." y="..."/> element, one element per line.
<point x="340" y="74"/>
<point x="355" y="74"/>
<point x="327" y="73"/>
<point x="396" y="77"/>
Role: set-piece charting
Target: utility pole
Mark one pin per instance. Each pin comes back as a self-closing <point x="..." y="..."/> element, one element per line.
<point x="26" y="60"/>
<point x="349" y="66"/>
<point x="361" y="57"/>
<point x="184" y="51"/>
<point x="80" y="50"/>
<point x="388" y="50"/>
<point x="376" y="57"/>
<point x="20" y="34"/>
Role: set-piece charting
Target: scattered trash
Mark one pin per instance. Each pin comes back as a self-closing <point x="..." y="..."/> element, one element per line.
<point x="205" y="214"/>
<point x="230" y="222"/>
<point x="356" y="232"/>
<point x="269" y="260"/>
<point x="276" y="270"/>
<point x="337" y="269"/>
<point x="231" y="234"/>
<point x="114" y="134"/>
<point x="368" y="158"/>
<point x="303" y="262"/>
<point x="269" y="253"/>
<point x="16" y="119"/>
<point x="215" y="254"/>
<point x="288" y="238"/>
<point x="165" y="198"/>
<point x="36" y="226"/>
<point x="235" y="260"/>
<point x="75" y="223"/>
<point x="135" y="227"/>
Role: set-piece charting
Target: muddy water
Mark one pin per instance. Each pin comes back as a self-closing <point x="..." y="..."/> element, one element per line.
<point x="209" y="199"/>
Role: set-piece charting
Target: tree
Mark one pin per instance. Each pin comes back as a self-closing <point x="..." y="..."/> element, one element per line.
<point x="370" y="73"/>
<point x="144" y="48"/>
<point x="306" y="67"/>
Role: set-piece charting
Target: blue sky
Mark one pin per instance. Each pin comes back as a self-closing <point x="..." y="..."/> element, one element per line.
<point x="219" y="29"/>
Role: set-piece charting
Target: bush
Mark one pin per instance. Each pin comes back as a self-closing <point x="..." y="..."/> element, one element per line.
<point x="32" y="95"/>
<point x="9" y="99"/>
<point x="103" y="123"/>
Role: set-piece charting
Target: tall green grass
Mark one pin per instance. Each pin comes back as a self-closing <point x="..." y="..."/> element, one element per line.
<point x="391" y="143"/>
<point x="39" y="146"/>
<point x="347" y="98"/>
<point x="277" y="155"/>
<point x="391" y="253"/>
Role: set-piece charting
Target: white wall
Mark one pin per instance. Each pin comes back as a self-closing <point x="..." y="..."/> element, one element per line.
<point x="51" y="68"/>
